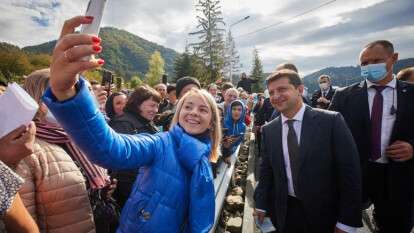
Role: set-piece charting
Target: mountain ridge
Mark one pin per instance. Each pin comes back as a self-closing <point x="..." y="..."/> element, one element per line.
<point x="124" y="52"/>
<point x="346" y="75"/>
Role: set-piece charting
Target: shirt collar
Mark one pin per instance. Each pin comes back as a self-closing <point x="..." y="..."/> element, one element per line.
<point x="392" y="83"/>
<point x="297" y="117"/>
<point x="326" y="91"/>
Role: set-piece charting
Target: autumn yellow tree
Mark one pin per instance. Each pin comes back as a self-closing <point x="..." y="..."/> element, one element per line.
<point x="155" y="69"/>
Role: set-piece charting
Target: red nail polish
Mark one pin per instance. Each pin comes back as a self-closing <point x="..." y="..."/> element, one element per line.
<point x="89" y="17"/>
<point x="96" y="39"/>
<point x="97" y="48"/>
<point x="101" y="62"/>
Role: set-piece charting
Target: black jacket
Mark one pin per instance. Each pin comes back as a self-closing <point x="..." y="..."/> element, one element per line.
<point x="259" y="114"/>
<point x="329" y="182"/>
<point x="246" y="84"/>
<point x="128" y="123"/>
<point x="352" y="103"/>
<point x="318" y="95"/>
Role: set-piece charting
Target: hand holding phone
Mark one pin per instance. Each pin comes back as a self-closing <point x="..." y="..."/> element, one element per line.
<point x="95" y="9"/>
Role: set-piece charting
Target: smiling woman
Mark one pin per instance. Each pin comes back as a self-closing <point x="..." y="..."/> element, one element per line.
<point x="175" y="189"/>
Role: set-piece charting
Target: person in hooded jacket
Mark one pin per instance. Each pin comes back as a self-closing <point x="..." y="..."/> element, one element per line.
<point x="234" y="128"/>
<point x="175" y="192"/>
<point x="114" y="106"/>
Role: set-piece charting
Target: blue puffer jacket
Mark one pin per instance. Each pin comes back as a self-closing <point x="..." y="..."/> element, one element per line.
<point x="160" y="198"/>
<point x="235" y="128"/>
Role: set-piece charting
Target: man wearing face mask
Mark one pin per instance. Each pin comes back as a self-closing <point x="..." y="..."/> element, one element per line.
<point x="379" y="112"/>
<point x="322" y="97"/>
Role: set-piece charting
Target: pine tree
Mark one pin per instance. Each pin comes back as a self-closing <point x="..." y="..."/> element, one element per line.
<point x="155" y="70"/>
<point x="210" y="33"/>
<point x="182" y="66"/>
<point x="257" y="72"/>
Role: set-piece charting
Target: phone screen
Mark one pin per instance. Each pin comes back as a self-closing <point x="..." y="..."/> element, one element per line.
<point x="95" y="8"/>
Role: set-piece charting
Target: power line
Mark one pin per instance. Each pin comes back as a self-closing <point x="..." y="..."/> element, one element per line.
<point x="287" y="20"/>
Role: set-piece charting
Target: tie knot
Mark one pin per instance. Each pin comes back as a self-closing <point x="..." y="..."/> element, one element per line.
<point x="290" y="123"/>
<point x="379" y="88"/>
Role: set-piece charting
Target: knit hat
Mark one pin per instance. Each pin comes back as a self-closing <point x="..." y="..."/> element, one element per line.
<point x="184" y="81"/>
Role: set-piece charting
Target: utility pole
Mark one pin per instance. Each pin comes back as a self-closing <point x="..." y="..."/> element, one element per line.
<point x="230" y="58"/>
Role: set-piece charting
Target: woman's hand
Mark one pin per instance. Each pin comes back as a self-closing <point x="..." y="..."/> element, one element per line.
<point x="66" y="58"/>
<point x="110" y="189"/>
<point x="17" y="144"/>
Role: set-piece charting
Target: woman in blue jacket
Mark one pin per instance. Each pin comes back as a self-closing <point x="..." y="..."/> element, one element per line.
<point x="175" y="192"/>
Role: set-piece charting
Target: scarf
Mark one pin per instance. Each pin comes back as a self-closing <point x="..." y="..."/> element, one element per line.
<point x="193" y="154"/>
<point x="95" y="175"/>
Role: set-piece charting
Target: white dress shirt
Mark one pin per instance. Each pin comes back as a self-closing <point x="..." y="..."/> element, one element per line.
<point x="297" y="125"/>
<point x="326" y="92"/>
<point x="387" y="124"/>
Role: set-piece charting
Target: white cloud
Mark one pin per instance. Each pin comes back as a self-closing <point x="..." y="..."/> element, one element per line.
<point x="168" y="23"/>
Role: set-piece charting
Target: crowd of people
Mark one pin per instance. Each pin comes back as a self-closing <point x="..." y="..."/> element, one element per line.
<point x="99" y="160"/>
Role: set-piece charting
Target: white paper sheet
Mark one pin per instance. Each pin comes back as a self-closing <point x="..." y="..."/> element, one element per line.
<point x="16" y="108"/>
<point x="266" y="226"/>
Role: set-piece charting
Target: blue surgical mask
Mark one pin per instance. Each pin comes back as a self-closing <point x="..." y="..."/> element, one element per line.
<point x="374" y="72"/>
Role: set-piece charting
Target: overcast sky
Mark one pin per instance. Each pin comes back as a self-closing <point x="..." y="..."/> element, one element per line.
<point x="330" y="36"/>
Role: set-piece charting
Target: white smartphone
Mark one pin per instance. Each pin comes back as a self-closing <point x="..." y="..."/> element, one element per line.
<point x="96" y="9"/>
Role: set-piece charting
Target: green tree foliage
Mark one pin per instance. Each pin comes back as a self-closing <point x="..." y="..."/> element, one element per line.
<point x="124" y="53"/>
<point x="39" y="61"/>
<point x="119" y="82"/>
<point x="257" y="72"/>
<point x="95" y="75"/>
<point x="182" y="66"/>
<point x="15" y="63"/>
<point x="135" y="82"/>
<point x="155" y="70"/>
<point x="210" y="33"/>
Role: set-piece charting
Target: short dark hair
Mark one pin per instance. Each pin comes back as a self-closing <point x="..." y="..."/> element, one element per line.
<point x="324" y="76"/>
<point x="226" y="85"/>
<point x="109" y="105"/>
<point x="141" y="94"/>
<point x="3" y="83"/>
<point x="94" y="82"/>
<point x="288" y="66"/>
<point x="171" y="88"/>
<point x="405" y="74"/>
<point x="384" y="43"/>
<point x="291" y="75"/>
<point x="184" y="81"/>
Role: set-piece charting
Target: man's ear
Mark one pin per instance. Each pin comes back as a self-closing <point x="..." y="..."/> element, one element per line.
<point x="394" y="58"/>
<point x="301" y="88"/>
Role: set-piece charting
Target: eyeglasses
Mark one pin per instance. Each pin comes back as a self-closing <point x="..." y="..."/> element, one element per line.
<point x="323" y="82"/>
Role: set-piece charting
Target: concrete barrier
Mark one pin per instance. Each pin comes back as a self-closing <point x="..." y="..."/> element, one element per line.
<point x="248" y="220"/>
<point x="221" y="185"/>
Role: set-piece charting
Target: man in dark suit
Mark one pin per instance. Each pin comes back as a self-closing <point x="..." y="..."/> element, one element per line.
<point x="322" y="97"/>
<point x="310" y="176"/>
<point x="380" y="112"/>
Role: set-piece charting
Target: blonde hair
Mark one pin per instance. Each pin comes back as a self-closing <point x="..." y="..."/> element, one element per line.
<point x="35" y="85"/>
<point x="215" y="131"/>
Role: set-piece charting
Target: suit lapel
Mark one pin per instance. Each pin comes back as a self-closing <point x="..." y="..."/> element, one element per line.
<point x="309" y="127"/>
<point x="361" y="97"/>
<point x="277" y="150"/>
<point x="401" y="103"/>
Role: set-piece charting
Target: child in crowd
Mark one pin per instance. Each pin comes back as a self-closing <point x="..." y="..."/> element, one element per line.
<point x="234" y="128"/>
